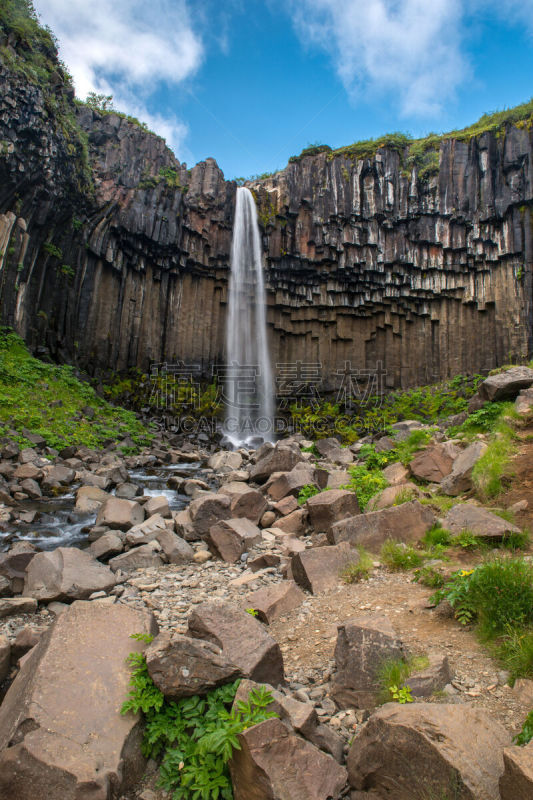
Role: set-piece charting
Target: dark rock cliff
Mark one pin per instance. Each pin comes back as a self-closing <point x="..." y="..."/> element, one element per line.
<point x="113" y="254"/>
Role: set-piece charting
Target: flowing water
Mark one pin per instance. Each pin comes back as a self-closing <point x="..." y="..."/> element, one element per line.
<point x="249" y="391"/>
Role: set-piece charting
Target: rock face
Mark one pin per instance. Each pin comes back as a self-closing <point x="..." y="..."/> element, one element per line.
<point x="275" y="764"/>
<point x="516" y="783"/>
<point x="66" y="574"/>
<point x="66" y="738"/>
<point x="364" y="256"/>
<point x="440" y="750"/>
<point x="243" y="640"/>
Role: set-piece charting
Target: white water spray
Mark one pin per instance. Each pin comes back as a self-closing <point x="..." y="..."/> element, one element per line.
<point x="249" y="391"/>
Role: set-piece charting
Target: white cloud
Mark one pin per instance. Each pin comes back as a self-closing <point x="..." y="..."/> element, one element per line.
<point x="409" y="50"/>
<point x="127" y="48"/>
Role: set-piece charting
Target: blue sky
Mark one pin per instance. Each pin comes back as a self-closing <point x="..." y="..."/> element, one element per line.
<point x="251" y="83"/>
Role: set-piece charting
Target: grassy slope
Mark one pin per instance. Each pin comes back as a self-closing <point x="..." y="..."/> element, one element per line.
<point x="48" y="400"/>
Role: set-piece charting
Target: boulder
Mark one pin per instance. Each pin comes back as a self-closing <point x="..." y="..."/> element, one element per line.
<point x="245" y="501"/>
<point x="392" y="496"/>
<point x="294" y="523"/>
<point x="516" y="783"/>
<point x="90" y="479"/>
<point x="479" y="521"/>
<point x="10" y="606"/>
<point x="286" y="505"/>
<point x="291" y="483"/>
<point x="207" y="509"/>
<point x="137" y="558"/>
<point x="434" y="463"/>
<point x="524" y="402"/>
<point x="243" y="639"/>
<point x="319" y="569"/>
<point x="27" y="471"/>
<point x="364" y="643"/>
<point x="119" y="514"/>
<point x="57" y="477"/>
<point x="183" y="525"/>
<point x="147" y="531"/>
<point x="114" y="473"/>
<point x="331" y="506"/>
<point x="5" y="658"/>
<point x="230" y="538"/>
<point x="106" y="546"/>
<point x="438" y="749"/>
<point x="127" y="491"/>
<point x="407" y="522"/>
<point x="338" y="478"/>
<point x="90" y="499"/>
<point x="13" y="564"/>
<point x="302" y="717"/>
<point x="225" y="461"/>
<point x="396" y="473"/>
<point x="431" y="679"/>
<point x="31" y="488"/>
<point x="66" y="573"/>
<point x="506" y="385"/>
<point x="281" y="458"/>
<point x="176" y="549"/>
<point x="275" y="764"/>
<point x="326" y="739"/>
<point x="65" y="738"/>
<point x="181" y="666"/>
<point x="271" y="602"/>
<point x="460" y="478"/>
<point x="25" y="640"/>
<point x="157" y="505"/>
<point x="332" y="450"/>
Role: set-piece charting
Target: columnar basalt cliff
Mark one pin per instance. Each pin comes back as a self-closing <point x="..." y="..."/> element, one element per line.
<point x="115" y="255"/>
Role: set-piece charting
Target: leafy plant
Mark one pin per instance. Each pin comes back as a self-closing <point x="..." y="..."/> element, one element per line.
<point x="437" y="539"/>
<point x="307" y="491"/>
<point x="467" y="540"/>
<point x="429" y="576"/>
<point x="401" y="694"/>
<point x="195" y="736"/>
<point x="365" y="483"/>
<point x="526" y="734"/>
<point x="456" y="592"/>
<point x="251" y="611"/>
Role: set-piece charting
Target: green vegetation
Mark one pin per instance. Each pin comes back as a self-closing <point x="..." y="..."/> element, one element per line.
<point x="365" y="483"/>
<point x="424" y="153"/>
<point x="398" y="556"/>
<point x="492" y="468"/>
<point x="196" y="736"/>
<point x="429" y="576"/>
<point x="48" y="400"/>
<point x="358" y="570"/>
<point x="307" y="491"/>
<point x="166" y="175"/>
<point x="526" y="734"/>
<point x="437" y="539"/>
<point x="393" y="673"/>
<point x="498" y="596"/>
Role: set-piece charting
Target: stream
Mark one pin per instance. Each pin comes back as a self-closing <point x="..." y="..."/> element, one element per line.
<point x="59" y="525"/>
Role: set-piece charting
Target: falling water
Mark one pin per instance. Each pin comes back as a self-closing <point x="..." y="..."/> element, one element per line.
<point x="249" y="392"/>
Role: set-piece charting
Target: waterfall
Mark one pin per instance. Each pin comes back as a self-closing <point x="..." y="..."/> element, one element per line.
<point x="248" y="390"/>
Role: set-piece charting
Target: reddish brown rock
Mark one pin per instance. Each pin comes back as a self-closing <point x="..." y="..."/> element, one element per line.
<point x="392" y="495"/>
<point x="293" y="523"/>
<point x="208" y="509"/>
<point x="286" y="505"/>
<point x="273" y="601"/>
<point x="10" y="606"/>
<point x="434" y="463"/>
<point x="275" y="764"/>
<point x="281" y="458"/>
<point x="506" y="385"/>
<point x="119" y="514"/>
<point x="479" y="521"/>
<point x="13" y="564"/>
<point x="331" y="506"/>
<point x="291" y="483"/>
<point x="230" y="538"/>
<point x="396" y="473"/>
<point x="432" y="678"/>
<point x="106" y="546"/>
<point x="181" y="666"/>
<point x="66" y="574"/>
<point x="5" y="658"/>
<point x="302" y="717"/>
<point x="460" y="478"/>
<point x="243" y="639"/>
<point x="516" y="783"/>
<point x="363" y="644"/>
<point x="245" y="501"/>
<point x="90" y="498"/>
<point x="407" y="522"/>
<point x="176" y="550"/>
<point x="332" y="450"/>
<point x="443" y="750"/>
<point x="64" y="738"/>
<point x="157" y="505"/>
<point x="138" y="558"/>
<point x="319" y="569"/>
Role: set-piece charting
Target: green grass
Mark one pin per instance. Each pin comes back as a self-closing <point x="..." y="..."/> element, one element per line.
<point x="306" y="492"/>
<point x="441" y="503"/>
<point x="493" y="467"/>
<point x="514" y="651"/>
<point x="437" y="538"/>
<point x="48" y="400"/>
<point x="430" y="577"/>
<point x="398" y="556"/>
<point x="358" y="570"/>
<point x="394" y="672"/>
<point x="365" y="483"/>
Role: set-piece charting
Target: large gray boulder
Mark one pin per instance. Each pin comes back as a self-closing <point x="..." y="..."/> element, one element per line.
<point x="230" y="538"/>
<point x="460" y="478"/>
<point x="319" y="568"/>
<point x="429" y="750"/>
<point x="479" y="521"/>
<point x="506" y="385"/>
<point x="207" y="509"/>
<point x="66" y="574"/>
<point x="244" y="501"/>
<point x="61" y="732"/>
<point x="329" y="507"/>
<point x="434" y="463"/>
<point x="119" y="514"/>
<point x="281" y="458"/>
